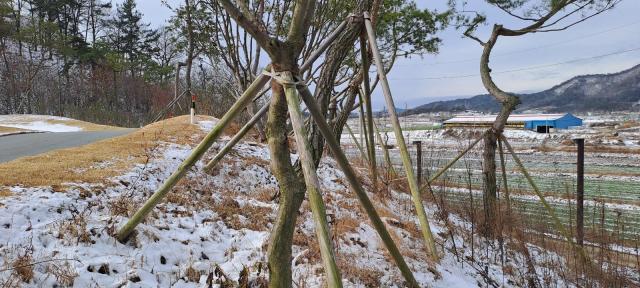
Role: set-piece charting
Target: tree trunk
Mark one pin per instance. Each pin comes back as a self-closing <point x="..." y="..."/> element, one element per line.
<point x="489" y="180"/>
<point x="509" y="103"/>
<point x="291" y="191"/>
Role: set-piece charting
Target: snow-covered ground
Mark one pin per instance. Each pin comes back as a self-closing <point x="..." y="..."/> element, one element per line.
<point x="215" y="226"/>
<point x="39" y="123"/>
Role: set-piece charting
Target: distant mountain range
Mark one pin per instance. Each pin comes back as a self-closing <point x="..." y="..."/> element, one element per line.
<point x="587" y="93"/>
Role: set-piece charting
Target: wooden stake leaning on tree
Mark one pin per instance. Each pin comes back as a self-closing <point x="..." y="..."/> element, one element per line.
<point x="256" y="117"/>
<point x="387" y="158"/>
<point x="354" y="184"/>
<point x="504" y="177"/>
<point x="355" y="140"/>
<point x="236" y="138"/>
<point x="285" y="78"/>
<point x="363" y="129"/>
<point x="453" y="161"/>
<point x="404" y="152"/>
<point x="366" y="89"/>
<point x="195" y="155"/>
<point x="546" y="205"/>
<point x="242" y="102"/>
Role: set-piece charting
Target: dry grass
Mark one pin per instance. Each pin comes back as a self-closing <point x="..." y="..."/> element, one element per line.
<point x="23" y="268"/>
<point x="5" y="193"/>
<point x="65" y="274"/>
<point x="96" y="162"/>
<point x="86" y="126"/>
<point x="367" y="277"/>
<point x="192" y="274"/>
<point x="229" y="211"/>
<point x="4" y="130"/>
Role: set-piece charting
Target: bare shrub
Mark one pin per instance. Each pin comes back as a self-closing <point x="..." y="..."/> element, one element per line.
<point x="65" y="274"/>
<point x="23" y="267"/>
<point x="192" y="274"/>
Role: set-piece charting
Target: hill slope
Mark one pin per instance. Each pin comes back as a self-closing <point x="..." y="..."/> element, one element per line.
<point x="601" y="92"/>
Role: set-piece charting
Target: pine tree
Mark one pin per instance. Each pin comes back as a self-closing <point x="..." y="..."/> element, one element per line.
<point x="132" y="38"/>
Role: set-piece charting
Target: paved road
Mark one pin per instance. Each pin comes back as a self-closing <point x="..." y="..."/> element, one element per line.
<point x="16" y="146"/>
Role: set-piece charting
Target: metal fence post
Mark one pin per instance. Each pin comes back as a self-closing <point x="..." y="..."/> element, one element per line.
<point x="418" y="161"/>
<point x="580" y="192"/>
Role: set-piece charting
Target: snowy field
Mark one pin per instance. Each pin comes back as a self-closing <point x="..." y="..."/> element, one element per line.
<point x="214" y="228"/>
<point x="26" y="123"/>
<point x="38" y="123"/>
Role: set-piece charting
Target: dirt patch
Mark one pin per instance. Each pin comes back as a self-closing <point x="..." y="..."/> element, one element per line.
<point x="96" y="162"/>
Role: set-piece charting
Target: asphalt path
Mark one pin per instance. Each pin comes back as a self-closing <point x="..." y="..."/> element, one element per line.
<point x="16" y="146"/>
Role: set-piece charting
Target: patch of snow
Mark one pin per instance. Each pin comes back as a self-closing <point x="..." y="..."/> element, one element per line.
<point x="44" y="126"/>
<point x="207" y="125"/>
<point x="37" y="123"/>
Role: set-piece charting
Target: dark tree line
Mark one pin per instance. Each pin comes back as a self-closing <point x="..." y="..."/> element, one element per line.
<point x="90" y="60"/>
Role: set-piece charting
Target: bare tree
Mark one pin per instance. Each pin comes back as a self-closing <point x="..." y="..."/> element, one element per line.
<point x="284" y="55"/>
<point x="537" y="16"/>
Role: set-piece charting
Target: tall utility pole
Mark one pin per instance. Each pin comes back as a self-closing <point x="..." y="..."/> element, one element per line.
<point x="580" y="192"/>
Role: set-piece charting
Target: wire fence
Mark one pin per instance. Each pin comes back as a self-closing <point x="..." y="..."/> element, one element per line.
<point x="611" y="206"/>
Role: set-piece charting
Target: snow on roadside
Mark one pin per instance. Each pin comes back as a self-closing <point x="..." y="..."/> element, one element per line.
<point x="44" y="126"/>
<point x="37" y="123"/>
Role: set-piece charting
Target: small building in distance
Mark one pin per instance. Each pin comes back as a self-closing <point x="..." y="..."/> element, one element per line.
<point x="541" y="123"/>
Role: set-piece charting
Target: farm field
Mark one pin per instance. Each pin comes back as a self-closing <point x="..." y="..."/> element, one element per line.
<point x="612" y="180"/>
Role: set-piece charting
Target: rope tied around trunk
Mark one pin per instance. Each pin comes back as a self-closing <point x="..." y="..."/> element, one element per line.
<point x="284" y="78"/>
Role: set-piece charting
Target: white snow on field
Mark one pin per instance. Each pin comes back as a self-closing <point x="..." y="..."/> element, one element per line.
<point x="44" y="126"/>
<point x="193" y="232"/>
<point x="37" y="123"/>
<point x="207" y="125"/>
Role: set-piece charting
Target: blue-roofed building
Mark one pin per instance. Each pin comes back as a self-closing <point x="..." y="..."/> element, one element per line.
<point x="541" y="123"/>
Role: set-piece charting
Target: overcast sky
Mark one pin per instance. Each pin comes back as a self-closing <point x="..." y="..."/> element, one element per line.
<point x="453" y="72"/>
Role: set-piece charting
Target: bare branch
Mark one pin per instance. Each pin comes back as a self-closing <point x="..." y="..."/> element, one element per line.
<point x="249" y="23"/>
<point x="298" y="28"/>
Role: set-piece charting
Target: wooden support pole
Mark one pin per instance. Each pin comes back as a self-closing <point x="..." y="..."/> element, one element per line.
<point x="168" y="107"/>
<point x="195" y="155"/>
<point x="242" y="102"/>
<point x="418" y="161"/>
<point x="323" y="46"/>
<point x="503" y="166"/>
<point x="580" y="192"/>
<point x="453" y="161"/>
<point x="404" y="152"/>
<point x="363" y="130"/>
<point x="176" y="81"/>
<point x="355" y="140"/>
<point x="356" y="187"/>
<point x="366" y="89"/>
<point x="385" y="151"/>
<point x="544" y="202"/>
<point x="310" y="178"/>
<point x="236" y="138"/>
<point x="258" y="115"/>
